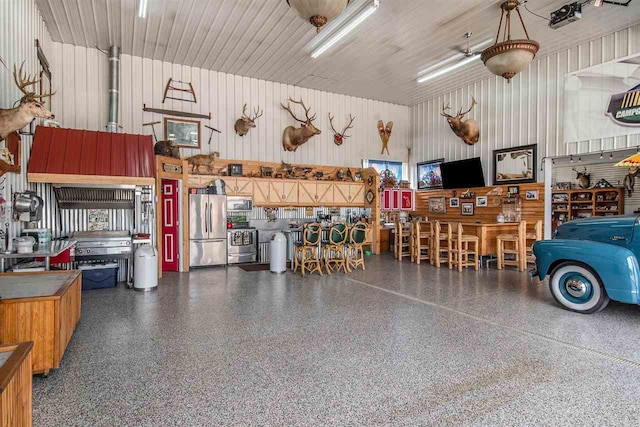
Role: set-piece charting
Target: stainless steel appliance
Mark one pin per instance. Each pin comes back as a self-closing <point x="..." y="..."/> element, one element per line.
<point x="239" y="204"/>
<point x="242" y="245"/>
<point x="102" y="245"/>
<point x="207" y="230"/>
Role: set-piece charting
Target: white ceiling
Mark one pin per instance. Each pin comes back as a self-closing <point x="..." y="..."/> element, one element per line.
<point x="265" y="39"/>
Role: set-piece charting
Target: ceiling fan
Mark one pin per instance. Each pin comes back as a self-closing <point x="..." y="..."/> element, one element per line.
<point x="465" y="56"/>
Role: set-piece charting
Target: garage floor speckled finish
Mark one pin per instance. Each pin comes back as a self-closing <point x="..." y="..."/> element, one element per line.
<point x="398" y="344"/>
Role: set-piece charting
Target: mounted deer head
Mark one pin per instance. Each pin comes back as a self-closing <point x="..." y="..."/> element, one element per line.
<point x="385" y="134"/>
<point x="293" y="137"/>
<point x="467" y="130"/>
<point x="31" y="105"/>
<point x="339" y="137"/>
<point x="584" y="178"/>
<point x="245" y="123"/>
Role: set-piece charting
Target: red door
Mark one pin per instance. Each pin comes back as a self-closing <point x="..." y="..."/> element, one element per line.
<point x="170" y="223"/>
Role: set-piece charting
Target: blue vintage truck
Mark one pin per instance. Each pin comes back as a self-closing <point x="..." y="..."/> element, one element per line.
<point x="590" y="261"/>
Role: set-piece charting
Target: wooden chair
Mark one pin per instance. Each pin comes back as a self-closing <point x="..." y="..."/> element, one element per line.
<point x="307" y="252"/>
<point x="462" y="248"/>
<point x="439" y="246"/>
<point x="402" y="247"/>
<point x="422" y="232"/>
<point x="532" y="237"/>
<point x="334" y="249"/>
<point x="513" y="244"/>
<point x="355" y="250"/>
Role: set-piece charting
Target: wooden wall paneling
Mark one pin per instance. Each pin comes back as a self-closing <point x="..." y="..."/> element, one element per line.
<point x="532" y="210"/>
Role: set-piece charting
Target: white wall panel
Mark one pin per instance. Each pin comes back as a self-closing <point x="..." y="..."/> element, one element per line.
<point x="83" y="81"/>
<point x="527" y="111"/>
<point x="21" y="25"/>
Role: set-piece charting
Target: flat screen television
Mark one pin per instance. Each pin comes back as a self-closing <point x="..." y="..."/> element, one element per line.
<point x="462" y="174"/>
<point x="429" y="175"/>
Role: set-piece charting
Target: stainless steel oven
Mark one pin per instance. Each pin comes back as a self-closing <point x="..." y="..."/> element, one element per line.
<point x="242" y="245"/>
<point x="239" y="204"/>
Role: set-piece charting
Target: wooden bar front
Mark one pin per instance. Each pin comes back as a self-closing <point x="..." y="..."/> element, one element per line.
<point x="488" y="234"/>
<point x="15" y="386"/>
<point x="46" y="318"/>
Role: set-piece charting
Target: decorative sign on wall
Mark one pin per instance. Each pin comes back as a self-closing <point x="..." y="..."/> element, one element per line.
<point x="98" y="219"/>
<point x="603" y="101"/>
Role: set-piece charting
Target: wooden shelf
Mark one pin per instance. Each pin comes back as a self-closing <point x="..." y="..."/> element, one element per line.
<point x="6" y="167"/>
<point x="587" y="208"/>
<point x="13" y="145"/>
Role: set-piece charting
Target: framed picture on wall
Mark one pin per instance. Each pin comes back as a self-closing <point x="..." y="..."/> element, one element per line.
<point x="185" y="133"/>
<point x="454" y="202"/>
<point x="437" y="205"/>
<point x="482" y="201"/>
<point x="429" y="175"/>
<point x="515" y="165"/>
<point x="467" y="209"/>
<point x="531" y="195"/>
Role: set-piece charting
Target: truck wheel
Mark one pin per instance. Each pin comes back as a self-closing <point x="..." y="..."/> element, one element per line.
<point x="578" y="288"/>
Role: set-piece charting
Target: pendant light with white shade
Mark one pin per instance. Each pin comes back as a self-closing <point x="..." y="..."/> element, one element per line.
<point x="318" y="12"/>
<point x="509" y="57"/>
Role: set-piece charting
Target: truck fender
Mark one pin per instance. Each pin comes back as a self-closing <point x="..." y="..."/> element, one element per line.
<point x="616" y="266"/>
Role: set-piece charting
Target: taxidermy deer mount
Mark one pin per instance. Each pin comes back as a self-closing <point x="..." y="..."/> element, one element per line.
<point x="293" y="137"/>
<point x="30" y="107"/>
<point x="467" y="130"/>
<point x="584" y="178"/>
<point x="385" y="134"/>
<point x="245" y="123"/>
<point x="339" y="137"/>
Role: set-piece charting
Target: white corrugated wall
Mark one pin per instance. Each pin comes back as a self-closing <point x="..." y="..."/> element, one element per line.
<point x="21" y="25"/>
<point x="82" y="78"/>
<point x="527" y="111"/>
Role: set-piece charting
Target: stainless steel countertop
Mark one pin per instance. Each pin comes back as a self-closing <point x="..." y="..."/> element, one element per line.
<point x="33" y="286"/>
<point x="55" y="248"/>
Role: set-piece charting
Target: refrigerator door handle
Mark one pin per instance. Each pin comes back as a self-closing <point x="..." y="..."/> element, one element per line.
<point x="206" y="226"/>
<point x="209" y="217"/>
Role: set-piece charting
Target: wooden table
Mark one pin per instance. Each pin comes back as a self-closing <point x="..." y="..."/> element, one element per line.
<point x="42" y="307"/>
<point x="15" y="385"/>
<point x="488" y="233"/>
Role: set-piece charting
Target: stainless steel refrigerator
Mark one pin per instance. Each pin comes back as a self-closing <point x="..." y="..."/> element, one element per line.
<point x="207" y="230"/>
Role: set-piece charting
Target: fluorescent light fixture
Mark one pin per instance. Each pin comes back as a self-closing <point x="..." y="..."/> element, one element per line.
<point x="457" y="56"/>
<point x="346" y="29"/>
<point x="142" y="9"/>
<point x="452" y="67"/>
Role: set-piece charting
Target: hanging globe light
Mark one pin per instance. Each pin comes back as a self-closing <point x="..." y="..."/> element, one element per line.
<point x="508" y="57"/>
<point x="318" y="12"/>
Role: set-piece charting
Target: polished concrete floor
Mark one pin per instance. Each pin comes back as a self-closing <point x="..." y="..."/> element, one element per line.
<point x="398" y="344"/>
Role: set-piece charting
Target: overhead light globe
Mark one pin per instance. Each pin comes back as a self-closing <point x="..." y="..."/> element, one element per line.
<point x="318" y="12"/>
<point x="508" y="57"/>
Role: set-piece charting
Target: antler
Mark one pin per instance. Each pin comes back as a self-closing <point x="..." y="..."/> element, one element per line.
<point x="349" y="126"/>
<point x="331" y="117"/>
<point x="24" y="80"/>
<point x="257" y="113"/>
<point x="306" y="110"/>
<point x="444" y="109"/>
<point x="244" y="112"/>
<point x="473" y="104"/>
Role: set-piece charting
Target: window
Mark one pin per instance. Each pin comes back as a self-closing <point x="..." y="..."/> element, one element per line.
<point x="382" y="165"/>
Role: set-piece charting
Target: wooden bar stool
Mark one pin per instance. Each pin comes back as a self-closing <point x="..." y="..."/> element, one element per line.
<point x="422" y="232"/>
<point x="355" y="250"/>
<point x="402" y="240"/>
<point x="439" y="251"/>
<point x="532" y="237"/>
<point x="306" y="253"/>
<point x="334" y="249"/>
<point x="513" y="244"/>
<point x="462" y="248"/>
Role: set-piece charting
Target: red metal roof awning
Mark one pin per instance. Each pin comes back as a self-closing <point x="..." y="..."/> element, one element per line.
<point x="72" y="156"/>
